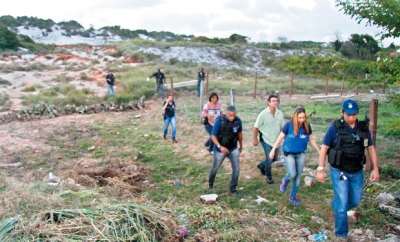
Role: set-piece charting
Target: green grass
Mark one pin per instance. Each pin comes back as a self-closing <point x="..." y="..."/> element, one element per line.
<point x="119" y="138"/>
<point x="231" y="217"/>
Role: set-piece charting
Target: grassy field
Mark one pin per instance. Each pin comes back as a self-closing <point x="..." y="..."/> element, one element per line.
<point x="111" y="176"/>
<point x="89" y="148"/>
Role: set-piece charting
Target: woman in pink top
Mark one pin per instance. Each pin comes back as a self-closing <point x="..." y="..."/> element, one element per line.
<point x="211" y="111"/>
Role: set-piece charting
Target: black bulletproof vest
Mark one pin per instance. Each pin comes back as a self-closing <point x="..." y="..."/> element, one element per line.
<point x="349" y="152"/>
<point x="228" y="135"/>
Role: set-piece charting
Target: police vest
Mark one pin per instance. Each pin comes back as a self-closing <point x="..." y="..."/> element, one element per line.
<point x="229" y="132"/>
<point x="349" y="152"/>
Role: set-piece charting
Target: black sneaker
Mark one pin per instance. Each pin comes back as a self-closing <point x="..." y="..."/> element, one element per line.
<point x="262" y="169"/>
<point x="269" y="180"/>
<point x="210" y="187"/>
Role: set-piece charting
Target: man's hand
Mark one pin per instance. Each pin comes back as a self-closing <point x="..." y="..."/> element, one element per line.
<point x="321" y="176"/>
<point x="255" y="142"/>
<point x="224" y="150"/>
<point x="374" y="177"/>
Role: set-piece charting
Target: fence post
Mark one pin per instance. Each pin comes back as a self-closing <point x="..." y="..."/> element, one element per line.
<point x="358" y="84"/>
<point x="232" y="97"/>
<point x="201" y="100"/>
<point x="373" y="120"/>
<point x="172" y="88"/>
<point x="384" y="84"/>
<point x="207" y="83"/>
<point x="278" y="95"/>
<point x="255" y="86"/>
<point x="341" y="90"/>
<point x="291" y="84"/>
<point x="326" y="85"/>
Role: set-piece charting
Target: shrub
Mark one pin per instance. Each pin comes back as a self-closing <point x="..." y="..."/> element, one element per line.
<point x="8" y="39"/>
<point x="29" y="89"/>
<point x="4" y="82"/>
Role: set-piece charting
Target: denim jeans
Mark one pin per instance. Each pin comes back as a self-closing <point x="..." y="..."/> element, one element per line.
<point x="159" y="87"/>
<point x="347" y="195"/>
<point x="218" y="159"/>
<point x="209" y="128"/>
<point x="110" y="87"/>
<point x="267" y="162"/>
<point x="294" y="168"/>
<point x="172" y="121"/>
<point x="198" y="86"/>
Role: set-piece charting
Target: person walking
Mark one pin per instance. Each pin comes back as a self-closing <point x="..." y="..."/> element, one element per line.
<point x="226" y="134"/>
<point x="344" y="143"/>
<point x="169" y="118"/>
<point x="110" y="78"/>
<point x="267" y="127"/>
<point x="200" y="77"/>
<point x="211" y="111"/>
<point x="160" y="80"/>
<point x="296" y="133"/>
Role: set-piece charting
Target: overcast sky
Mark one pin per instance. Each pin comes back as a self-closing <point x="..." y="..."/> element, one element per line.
<point x="260" y="20"/>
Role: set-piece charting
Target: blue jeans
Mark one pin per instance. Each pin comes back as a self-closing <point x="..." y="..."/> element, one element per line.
<point x="218" y="159"/>
<point x="294" y="168"/>
<point x="347" y="195"/>
<point x="160" y="87"/>
<point x="267" y="162"/>
<point x="172" y="121"/>
<point x="198" y="86"/>
<point x="209" y="128"/>
<point x="110" y="87"/>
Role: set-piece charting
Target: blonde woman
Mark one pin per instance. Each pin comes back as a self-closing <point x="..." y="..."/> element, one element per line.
<point x="297" y="133"/>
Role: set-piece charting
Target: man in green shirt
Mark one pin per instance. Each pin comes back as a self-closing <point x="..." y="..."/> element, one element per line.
<point x="268" y="127"/>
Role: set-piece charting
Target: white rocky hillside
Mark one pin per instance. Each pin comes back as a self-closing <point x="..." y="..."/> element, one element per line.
<point x="199" y="55"/>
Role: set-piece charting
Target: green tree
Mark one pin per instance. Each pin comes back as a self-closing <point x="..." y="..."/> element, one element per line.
<point x="9" y="21"/>
<point x="8" y="39"/>
<point x="236" y="38"/>
<point x="381" y="13"/>
<point x="365" y="44"/>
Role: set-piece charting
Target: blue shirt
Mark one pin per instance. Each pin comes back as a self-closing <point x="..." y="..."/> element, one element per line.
<point x="292" y="143"/>
<point x="331" y="135"/>
<point x="217" y="128"/>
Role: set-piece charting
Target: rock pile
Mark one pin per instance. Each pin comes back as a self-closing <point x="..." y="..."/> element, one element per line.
<point x="42" y="109"/>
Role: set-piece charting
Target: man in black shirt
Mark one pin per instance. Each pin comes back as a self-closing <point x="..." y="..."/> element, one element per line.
<point x="160" y="80"/>
<point x="110" y="78"/>
<point x="200" y="78"/>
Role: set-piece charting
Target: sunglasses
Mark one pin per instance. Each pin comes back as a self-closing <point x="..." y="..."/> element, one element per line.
<point x="300" y="110"/>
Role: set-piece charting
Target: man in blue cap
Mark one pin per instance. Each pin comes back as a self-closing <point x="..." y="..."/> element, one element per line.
<point x="344" y="143"/>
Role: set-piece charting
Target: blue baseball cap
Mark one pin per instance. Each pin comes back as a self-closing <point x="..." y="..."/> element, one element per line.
<point x="350" y="107"/>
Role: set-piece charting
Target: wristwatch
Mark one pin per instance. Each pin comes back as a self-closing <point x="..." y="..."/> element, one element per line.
<point x="320" y="168"/>
<point x="219" y="146"/>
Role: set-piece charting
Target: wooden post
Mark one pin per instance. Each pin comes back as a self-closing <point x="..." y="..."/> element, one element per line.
<point x="291" y="84"/>
<point x="201" y="100"/>
<point x="384" y="84"/>
<point x="232" y="97"/>
<point x="278" y="95"/>
<point x="358" y="84"/>
<point x="255" y="86"/>
<point x="373" y="120"/>
<point x="341" y="90"/>
<point x="172" y="88"/>
<point x="326" y="84"/>
<point x="206" y="90"/>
